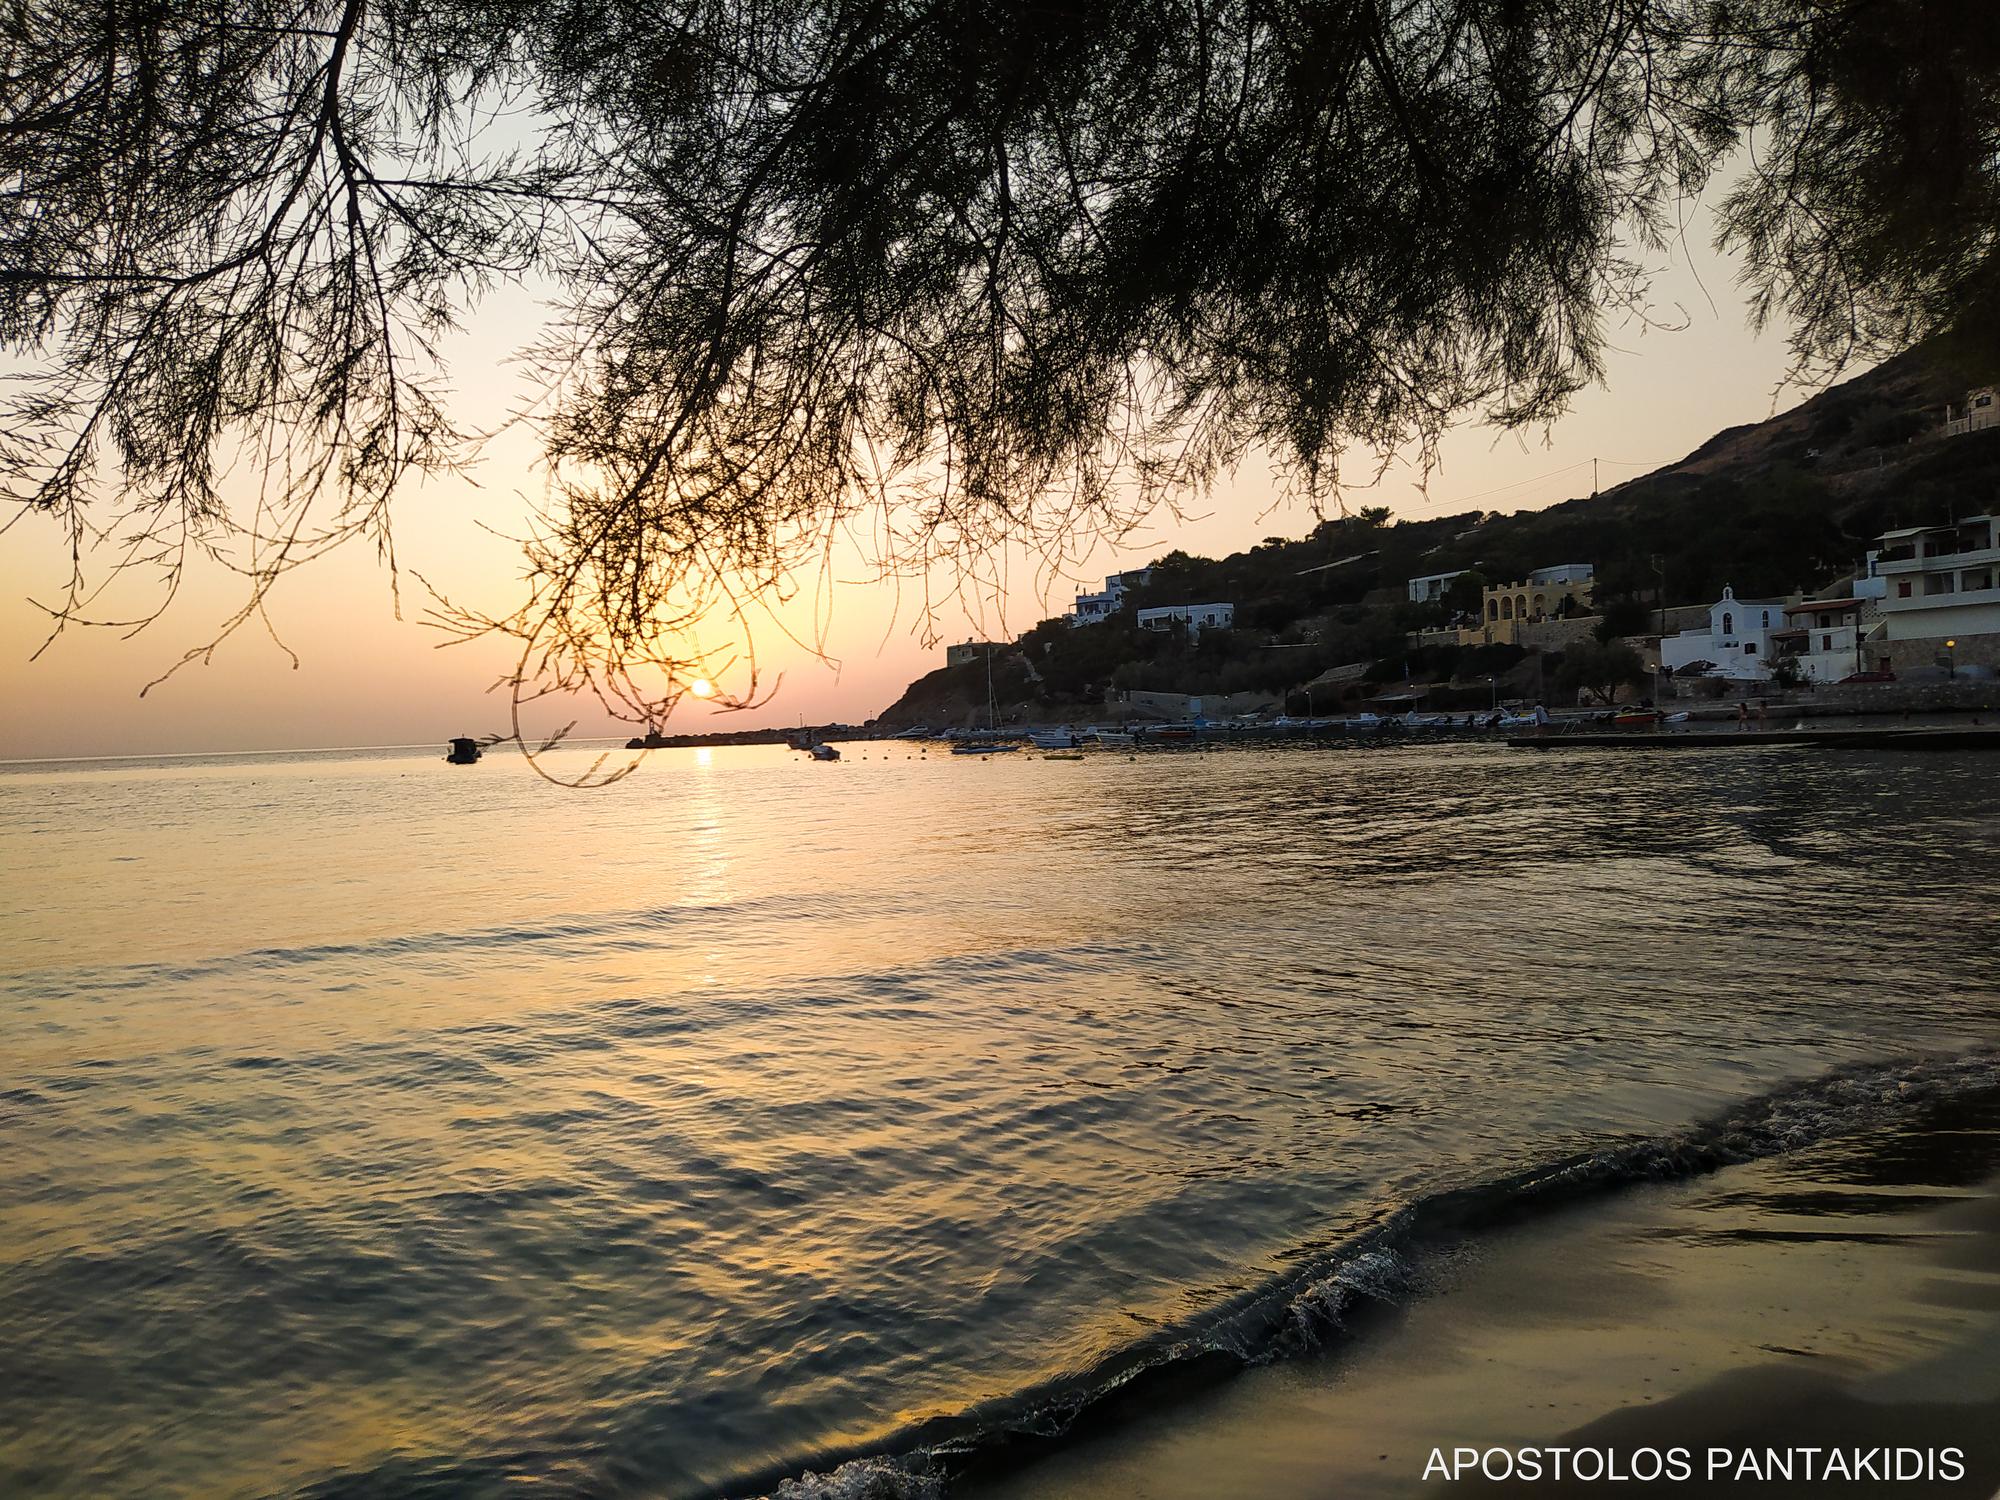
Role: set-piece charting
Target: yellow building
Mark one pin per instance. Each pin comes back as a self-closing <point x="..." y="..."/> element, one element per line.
<point x="1564" y="591"/>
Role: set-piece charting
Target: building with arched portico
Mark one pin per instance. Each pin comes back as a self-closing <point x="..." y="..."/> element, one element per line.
<point x="1562" y="592"/>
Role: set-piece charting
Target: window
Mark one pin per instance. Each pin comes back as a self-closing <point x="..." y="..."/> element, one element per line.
<point x="1728" y="623"/>
<point x="1826" y="643"/>
<point x="1506" y="609"/>
<point x="1902" y="588"/>
<point x="1940" y="583"/>
<point x="1493" y="607"/>
<point x="1824" y="621"/>
<point x="1983" y="401"/>
<point x="1749" y="648"/>
<point x="1767" y="619"/>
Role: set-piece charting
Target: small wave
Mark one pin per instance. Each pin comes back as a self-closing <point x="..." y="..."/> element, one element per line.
<point x="863" y="1479"/>
<point x="1317" y="1306"/>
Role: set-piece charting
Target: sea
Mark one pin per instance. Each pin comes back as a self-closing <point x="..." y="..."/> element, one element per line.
<point x="372" y="1126"/>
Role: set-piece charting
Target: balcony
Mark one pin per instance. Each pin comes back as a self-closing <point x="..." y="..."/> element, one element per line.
<point x="1903" y="560"/>
<point x="1893" y="604"/>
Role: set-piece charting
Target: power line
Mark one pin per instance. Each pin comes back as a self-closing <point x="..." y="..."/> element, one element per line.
<point x="1617" y="463"/>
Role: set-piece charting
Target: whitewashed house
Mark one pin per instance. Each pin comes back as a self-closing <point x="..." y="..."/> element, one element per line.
<point x="965" y="651"/>
<point x="1431" y="587"/>
<point x="1940" y="580"/>
<point x="1091" y="608"/>
<point x="1737" y="641"/>
<point x="1564" y="573"/>
<point x="1979" y="412"/>
<point x="1195" y="617"/>
<point x="1824" y="636"/>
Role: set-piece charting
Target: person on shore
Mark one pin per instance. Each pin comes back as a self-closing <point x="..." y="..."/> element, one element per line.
<point x="1743" y="715"/>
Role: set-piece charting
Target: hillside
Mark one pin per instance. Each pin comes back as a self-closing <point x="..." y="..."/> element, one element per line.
<point x="1768" y="507"/>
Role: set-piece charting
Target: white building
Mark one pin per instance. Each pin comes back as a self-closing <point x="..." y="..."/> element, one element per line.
<point x="1565" y="573"/>
<point x="1737" y="641"/>
<point x="1090" y="608"/>
<point x="1979" y="412"/>
<point x="1940" y="581"/>
<point x="1431" y="587"/>
<point x="1196" y="617"/>
<point x="965" y="651"/>
<point x="1824" y="636"/>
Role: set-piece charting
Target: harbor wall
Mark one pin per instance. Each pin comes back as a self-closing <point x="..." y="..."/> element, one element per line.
<point x="1960" y="696"/>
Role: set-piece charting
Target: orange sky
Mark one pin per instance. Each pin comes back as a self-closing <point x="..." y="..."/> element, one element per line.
<point x="366" y="678"/>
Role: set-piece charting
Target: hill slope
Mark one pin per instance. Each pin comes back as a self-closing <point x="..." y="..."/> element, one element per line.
<point x="1768" y="507"/>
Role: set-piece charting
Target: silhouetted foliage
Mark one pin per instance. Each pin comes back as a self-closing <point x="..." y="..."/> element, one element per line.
<point x="987" y="271"/>
<point x="1600" y="668"/>
<point x="1623" y="615"/>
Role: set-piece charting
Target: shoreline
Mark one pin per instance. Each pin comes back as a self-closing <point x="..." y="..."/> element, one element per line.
<point x="1844" y="1296"/>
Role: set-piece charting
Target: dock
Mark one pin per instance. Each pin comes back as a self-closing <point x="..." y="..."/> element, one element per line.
<point x="1946" y="738"/>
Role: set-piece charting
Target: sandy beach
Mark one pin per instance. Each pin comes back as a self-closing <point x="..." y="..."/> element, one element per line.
<point x="1845" y="1297"/>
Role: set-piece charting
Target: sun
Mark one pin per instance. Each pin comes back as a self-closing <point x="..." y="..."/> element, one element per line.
<point x="701" y="687"/>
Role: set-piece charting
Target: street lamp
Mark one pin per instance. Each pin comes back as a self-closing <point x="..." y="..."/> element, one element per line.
<point x="1951" y="659"/>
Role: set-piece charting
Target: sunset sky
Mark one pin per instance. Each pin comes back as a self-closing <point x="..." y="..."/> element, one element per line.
<point x="364" y="677"/>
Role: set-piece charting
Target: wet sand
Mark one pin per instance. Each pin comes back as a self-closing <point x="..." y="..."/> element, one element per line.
<point x="1846" y="1296"/>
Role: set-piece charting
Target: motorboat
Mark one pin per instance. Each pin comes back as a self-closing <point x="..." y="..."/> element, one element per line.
<point x="1109" y="738"/>
<point x="1053" y="739"/>
<point x="810" y="742"/>
<point x="463" y="752"/>
<point x="982" y="749"/>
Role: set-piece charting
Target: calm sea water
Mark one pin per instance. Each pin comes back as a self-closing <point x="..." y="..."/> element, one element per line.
<point x="373" y="1126"/>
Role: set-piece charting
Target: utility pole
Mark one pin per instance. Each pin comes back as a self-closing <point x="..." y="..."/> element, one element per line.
<point x="1593" y="479"/>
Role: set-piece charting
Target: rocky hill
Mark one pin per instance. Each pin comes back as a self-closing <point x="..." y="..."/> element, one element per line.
<point x="1768" y="507"/>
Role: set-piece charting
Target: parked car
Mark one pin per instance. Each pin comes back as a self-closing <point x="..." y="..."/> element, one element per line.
<point x="1853" y="677"/>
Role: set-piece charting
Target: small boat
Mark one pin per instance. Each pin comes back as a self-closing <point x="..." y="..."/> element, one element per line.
<point x="810" y="742"/>
<point x="982" y="749"/>
<point x="1110" y="738"/>
<point x="1065" y="755"/>
<point x="463" y="752"/>
<point x="1053" y="739"/>
<point x="1636" y="718"/>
